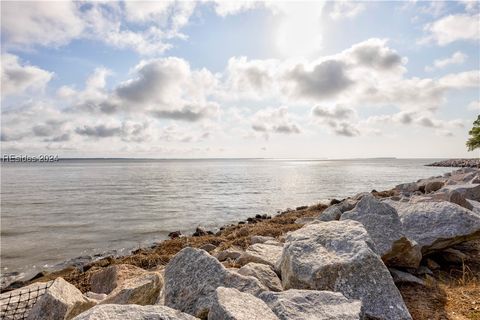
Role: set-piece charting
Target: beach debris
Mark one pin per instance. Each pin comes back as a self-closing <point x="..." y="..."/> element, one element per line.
<point x="264" y="273"/>
<point x="133" y="312"/>
<point x="339" y="256"/>
<point x="231" y="304"/>
<point x="192" y="277"/>
<point x="309" y="304"/>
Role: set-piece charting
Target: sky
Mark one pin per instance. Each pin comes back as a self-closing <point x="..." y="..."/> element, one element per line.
<point x="239" y="79"/>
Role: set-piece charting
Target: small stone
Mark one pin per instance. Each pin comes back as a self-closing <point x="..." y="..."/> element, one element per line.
<point x="175" y="234"/>
<point x="260" y="239"/>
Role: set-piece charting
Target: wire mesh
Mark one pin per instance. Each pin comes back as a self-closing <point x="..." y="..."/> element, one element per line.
<point x="16" y="304"/>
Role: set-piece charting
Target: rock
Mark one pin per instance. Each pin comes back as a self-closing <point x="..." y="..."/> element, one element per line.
<point x="192" y="277"/>
<point x="231" y="304"/>
<point x="334" y="212"/>
<point x="330" y="214"/>
<point x="385" y="229"/>
<point x="96" y="296"/>
<point x="339" y="256"/>
<point x="107" y="279"/>
<point x="208" y="247"/>
<point x="453" y="256"/>
<point x="404" y="277"/>
<point x="309" y="305"/>
<point x="432" y="265"/>
<point x="132" y="312"/>
<point x="175" y="234"/>
<point x="468" y="191"/>
<point x="334" y="201"/>
<point x="200" y="231"/>
<point x="230" y="253"/>
<point x="263" y="273"/>
<point x="433" y="186"/>
<point x="261" y="253"/>
<point x="456" y="197"/>
<point x="142" y="290"/>
<point x="127" y="284"/>
<point x="436" y="225"/>
<point x="274" y="243"/>
<point x="260" y="239"/>
<point x="301" y="208"/>
<point x="61" y="300"/>
<point x="407" y="187"/>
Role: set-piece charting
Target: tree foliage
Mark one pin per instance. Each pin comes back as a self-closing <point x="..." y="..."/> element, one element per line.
<point x="474" y="141"/>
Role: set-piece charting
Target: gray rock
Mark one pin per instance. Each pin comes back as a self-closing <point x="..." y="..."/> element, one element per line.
<point x="339" y="256"/>
<point x="436" y="225"/>
<point x="335" y="211"/>
<point x="230" y="253"/>
<point x="312" y="305"/>
<point x="132" y="312"/>
<point x="261" y="239"/>
<point x="433" y="186"/>
<point x="263" y="273"/>
<point x="405" y="277"/>
<point x="406" y="187"/>
<point x="62" y="300"/>
<point x="143" y="290"/>
<point x="330" y="214"/>
<point x="96" y="296"/>
<point x="385" y="229"/>
<point x="456" y="197"/>
<point x="192" y="277"/>
<point x="231" y="304"/>
<point x="127" y="284"/>
<point x="468" y="191"/>
<point x="261" y="253"/>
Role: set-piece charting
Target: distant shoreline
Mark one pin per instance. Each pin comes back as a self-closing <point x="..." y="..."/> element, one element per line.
<point x="471" y="163"/>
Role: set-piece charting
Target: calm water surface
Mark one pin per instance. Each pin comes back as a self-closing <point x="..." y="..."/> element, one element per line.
<point x="58" y="211"/>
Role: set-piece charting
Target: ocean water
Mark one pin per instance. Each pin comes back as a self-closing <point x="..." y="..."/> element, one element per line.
<point x="53" y="212"/>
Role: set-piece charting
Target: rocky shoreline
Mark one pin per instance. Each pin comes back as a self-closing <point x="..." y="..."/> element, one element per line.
<point x="397" y="254"/>
<point x="469" y="163"/>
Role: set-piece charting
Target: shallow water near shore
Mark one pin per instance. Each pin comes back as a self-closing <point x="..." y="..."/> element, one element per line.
<point x="53" y="212"/>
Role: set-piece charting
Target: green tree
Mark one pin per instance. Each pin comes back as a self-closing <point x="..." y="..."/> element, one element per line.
<point x="474" y="141"/>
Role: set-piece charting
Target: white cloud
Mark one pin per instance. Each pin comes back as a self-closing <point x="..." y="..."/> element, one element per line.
<point x="346" y="9"/>
<point x="226" y="8"/>
<point x="474" y="105"/>
<point x="144" y="26"/>
<point x="274" y="120"/>
<point x="18" y="78"/>
<point x="456" y="58"/>
<point x="453" y="28"/>
<point x="37" y="22"/>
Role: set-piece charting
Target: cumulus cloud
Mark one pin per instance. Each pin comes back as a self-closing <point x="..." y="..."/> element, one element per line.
<point x="374" y="53"/>
<point x="453" y="28"/>
<point x="274" y="120"/>
<point x="322" y="80"/>
<point x="18" y="78"/>
<point x="46" y="23"/>
<point x="144" y="26"/>
<point x="339" y="112"/>
<point x="456" y="58"/>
